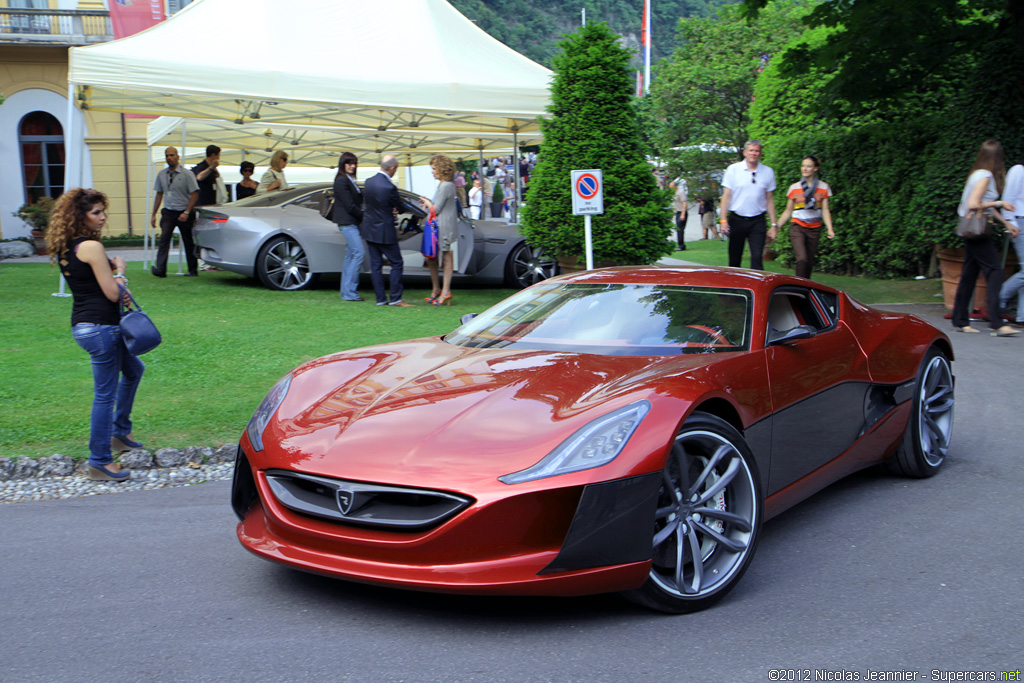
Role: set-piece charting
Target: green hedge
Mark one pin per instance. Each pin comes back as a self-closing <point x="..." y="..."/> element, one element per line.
<point x="897" y="168"/>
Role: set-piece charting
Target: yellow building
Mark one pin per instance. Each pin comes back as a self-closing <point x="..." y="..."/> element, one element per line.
<point x="34" y="39"/>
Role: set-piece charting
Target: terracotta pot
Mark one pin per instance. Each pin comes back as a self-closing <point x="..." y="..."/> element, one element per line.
<point x="951" y="263"/>
<point x="39" y="238"/>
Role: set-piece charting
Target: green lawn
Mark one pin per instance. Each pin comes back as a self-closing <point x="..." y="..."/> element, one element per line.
<point x="864" y="289"/>
<point x="226" y="341"/>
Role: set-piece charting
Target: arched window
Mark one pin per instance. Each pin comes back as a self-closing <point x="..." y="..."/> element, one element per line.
<point x="41" y="138"/>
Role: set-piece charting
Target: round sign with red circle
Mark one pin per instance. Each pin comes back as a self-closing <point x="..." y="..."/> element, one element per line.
<point x="587" y="186"/>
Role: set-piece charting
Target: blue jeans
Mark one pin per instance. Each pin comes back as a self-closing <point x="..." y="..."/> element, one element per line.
<point x="354" y="254"/>
<point x="116" y="375"/>
<point x="1015" y="285"/>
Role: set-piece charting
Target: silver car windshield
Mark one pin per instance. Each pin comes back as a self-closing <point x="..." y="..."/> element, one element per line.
<point x="614" y="319"/>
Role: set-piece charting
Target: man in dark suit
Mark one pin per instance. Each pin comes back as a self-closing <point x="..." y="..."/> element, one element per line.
<point x="380" y="202"/>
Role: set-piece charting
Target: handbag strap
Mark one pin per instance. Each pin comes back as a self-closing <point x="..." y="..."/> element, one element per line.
<point x="120" y="300"/>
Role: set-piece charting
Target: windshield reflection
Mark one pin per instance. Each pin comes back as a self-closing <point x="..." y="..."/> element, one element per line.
<point x="614" y="319"/>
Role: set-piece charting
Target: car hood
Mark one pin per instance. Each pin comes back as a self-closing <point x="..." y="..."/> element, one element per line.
<point x="415" y="412"/>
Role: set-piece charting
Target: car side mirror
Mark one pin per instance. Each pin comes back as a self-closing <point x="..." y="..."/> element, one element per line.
<point x="466" y="318"/>
<point x="776" y="337"/>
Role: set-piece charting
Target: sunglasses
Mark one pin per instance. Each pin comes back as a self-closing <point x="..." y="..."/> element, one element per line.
<point x="753" y="177"/>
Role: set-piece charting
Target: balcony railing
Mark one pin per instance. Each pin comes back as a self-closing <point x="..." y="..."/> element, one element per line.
<point x="54" y="26"/>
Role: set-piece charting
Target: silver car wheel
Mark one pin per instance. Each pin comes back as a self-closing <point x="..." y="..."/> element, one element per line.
<point x="282" y="264"/>
<point x="708" y="518"/>
<point x="930" y="427"/>
<point x="935" y="416"/>
<point x="528" y="266"/>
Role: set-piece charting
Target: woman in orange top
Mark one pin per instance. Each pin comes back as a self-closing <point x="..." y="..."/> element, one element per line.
<point x="807" y="204"/>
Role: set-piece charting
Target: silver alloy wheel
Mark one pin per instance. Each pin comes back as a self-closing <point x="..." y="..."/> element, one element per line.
<point x="528" y="266"/>
<point x="708" y="511"/>
<point x="283" y="264"/>
<point x="935" y="410"/>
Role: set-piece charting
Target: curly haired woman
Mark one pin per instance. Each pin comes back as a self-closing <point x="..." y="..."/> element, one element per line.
<point x="73" y="238"/>
<point x="447" y="228"/>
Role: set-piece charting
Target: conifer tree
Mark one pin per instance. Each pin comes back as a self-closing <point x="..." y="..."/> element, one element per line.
<point x="592" y="124"/>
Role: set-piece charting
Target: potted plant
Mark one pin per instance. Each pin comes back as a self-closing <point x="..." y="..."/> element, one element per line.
<point x="37" y="215"/>
<point x="497" y="199"/>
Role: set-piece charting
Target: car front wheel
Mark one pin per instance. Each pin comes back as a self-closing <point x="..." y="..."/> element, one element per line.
<point x="708" y="518"/>
<point x="528" y="265"/>
<point x="282" y="264"/>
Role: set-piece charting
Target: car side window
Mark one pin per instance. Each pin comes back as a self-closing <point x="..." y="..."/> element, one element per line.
<point x="793" y="307"/>
<point x="309" y="201"/>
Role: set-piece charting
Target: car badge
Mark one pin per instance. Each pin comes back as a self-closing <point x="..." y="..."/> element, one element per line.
<point x="346" y="499"/>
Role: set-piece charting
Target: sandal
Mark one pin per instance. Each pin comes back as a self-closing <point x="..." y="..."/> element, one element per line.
<point x="1005" y="331"/>
<point x="967" y="329"/>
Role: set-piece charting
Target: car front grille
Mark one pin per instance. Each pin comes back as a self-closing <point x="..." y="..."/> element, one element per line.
<point x="362" y="504"/>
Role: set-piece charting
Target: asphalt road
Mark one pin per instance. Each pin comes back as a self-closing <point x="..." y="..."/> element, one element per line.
<point x="874" y="574"/>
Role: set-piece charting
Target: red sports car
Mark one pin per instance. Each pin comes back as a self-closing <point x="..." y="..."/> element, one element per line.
<point x="623" y="429"/>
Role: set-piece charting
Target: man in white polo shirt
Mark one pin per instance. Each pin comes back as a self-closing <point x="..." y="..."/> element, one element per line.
<point x="746" y="199"/>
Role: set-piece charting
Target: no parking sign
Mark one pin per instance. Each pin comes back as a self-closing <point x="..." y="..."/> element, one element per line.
<point x="587" y="193"/>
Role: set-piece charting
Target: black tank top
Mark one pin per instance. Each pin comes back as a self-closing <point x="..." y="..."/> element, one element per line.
<point x="90" y="304"/>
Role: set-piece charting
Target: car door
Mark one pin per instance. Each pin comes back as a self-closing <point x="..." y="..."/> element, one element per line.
<point x="818" y="378"/>
<point x="319" y="237"/>
<point x="410" y="238"/>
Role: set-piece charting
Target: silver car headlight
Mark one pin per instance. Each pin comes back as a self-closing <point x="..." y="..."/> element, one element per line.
<point x="593" y="445"/>
<point x="270" y="403"/>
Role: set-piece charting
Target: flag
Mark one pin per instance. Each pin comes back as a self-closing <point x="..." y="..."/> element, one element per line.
<point x="647" y="45"/>
<point x="643" y="79"/>
<point x="128" y="17"/>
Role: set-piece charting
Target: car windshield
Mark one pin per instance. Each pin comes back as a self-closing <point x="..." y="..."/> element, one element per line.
<point x="614" y="319"/>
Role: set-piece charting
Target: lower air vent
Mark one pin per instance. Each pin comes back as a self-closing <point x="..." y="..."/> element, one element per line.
<point x="362" y="504"/>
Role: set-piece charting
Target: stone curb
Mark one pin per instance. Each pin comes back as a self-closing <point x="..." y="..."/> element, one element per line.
<point x="57" y="465"/>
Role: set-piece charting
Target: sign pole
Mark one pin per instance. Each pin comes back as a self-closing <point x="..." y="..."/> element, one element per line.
<point x="588" y="233"/>
<point x="587" y="200"/>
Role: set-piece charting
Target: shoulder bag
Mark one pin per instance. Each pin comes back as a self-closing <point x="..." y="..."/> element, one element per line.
<point x="327" y="204"/>
<point x="974" y="224"/>
<point x="137" y="330"/>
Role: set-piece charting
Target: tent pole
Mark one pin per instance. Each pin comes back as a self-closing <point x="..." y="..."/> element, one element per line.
<point x="71" y="173"/>
<point x="516" y="190"/>
<point x="149" y="232"/>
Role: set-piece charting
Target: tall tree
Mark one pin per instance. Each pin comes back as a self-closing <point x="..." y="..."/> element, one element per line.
<point x="884" y="49"/>
<point x="592" y="125"/>
<point x="700" y="99"/>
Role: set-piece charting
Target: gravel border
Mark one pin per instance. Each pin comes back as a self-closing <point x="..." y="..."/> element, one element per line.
<point x="24" y="479"/>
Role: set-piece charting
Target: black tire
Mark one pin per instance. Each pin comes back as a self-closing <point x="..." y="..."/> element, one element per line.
<point x="711" y="475"/>
<point x="282" y="264"/>
<point x="527" y="266"/>
<point x="926" y="440"/>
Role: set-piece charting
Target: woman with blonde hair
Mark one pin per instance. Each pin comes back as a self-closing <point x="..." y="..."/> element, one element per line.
<point x="273" y="178"/>
<point x="73" y="239"/>
<point x="981" y="194"/>
<point x="447" y="228"/>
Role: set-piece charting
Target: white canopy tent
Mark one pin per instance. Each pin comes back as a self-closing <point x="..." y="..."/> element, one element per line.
<point x="407" y="65"/>
<point x="400" y="67"/>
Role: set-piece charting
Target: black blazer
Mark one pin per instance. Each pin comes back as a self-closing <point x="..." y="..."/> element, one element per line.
<point x="348" y="202"/>
<point x="380" y="196"/>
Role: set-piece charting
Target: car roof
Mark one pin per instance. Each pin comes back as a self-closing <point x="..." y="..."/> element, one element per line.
<point x="690" y="276"/>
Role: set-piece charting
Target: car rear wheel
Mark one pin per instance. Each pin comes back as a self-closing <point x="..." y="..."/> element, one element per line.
<point x="708" y="518"/>
<point x="926" y="441"/>
<point x="527" y="266"/>
<point x="282" y="264"/>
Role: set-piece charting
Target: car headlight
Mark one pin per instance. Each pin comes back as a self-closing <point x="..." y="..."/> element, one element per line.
<point x="271" y="402"/>
<point x="595" y="444"/>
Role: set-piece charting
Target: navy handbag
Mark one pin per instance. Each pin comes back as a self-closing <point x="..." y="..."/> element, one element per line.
<point x="137" y="330"/>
